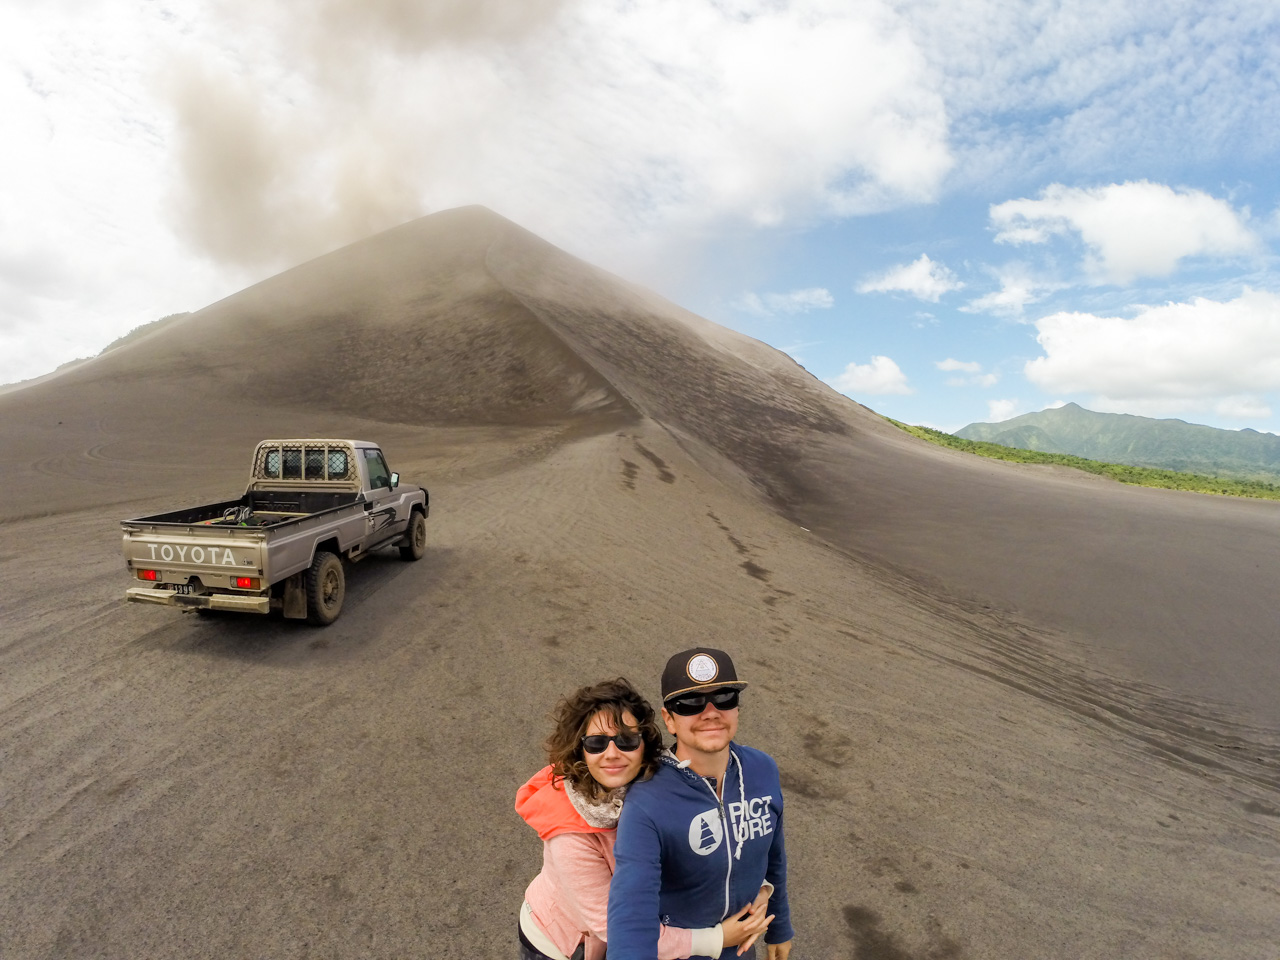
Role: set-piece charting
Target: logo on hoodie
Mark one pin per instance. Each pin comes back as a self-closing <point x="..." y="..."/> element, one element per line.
<point x="706" y="833"/>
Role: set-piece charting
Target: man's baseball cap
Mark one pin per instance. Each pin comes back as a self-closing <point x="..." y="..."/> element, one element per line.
<point x="699" y="669"/>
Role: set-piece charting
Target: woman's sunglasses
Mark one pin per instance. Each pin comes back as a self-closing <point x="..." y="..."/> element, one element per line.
<point x="693" y="705"/>
<point x="599" y="743"/>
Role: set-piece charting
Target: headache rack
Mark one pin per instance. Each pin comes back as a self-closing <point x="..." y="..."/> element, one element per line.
<point x="317" y="464"/>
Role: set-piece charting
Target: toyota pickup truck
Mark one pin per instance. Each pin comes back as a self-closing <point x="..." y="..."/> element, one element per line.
<point x="311" y="507"/>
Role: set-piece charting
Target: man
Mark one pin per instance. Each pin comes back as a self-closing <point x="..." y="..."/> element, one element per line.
<point x="697" y="841"/>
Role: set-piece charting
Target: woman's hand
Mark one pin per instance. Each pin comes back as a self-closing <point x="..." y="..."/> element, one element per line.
<point x="747" y="924"/>
<point x="742" y="929"/>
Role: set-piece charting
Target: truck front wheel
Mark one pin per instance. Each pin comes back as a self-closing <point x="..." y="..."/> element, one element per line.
<point x="415" y="538"/>
<point x="326" y="587"/>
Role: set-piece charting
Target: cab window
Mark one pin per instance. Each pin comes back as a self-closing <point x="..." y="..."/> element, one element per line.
<point x="338" y="468"/>
<point x="292" y="463"/>
<point x="379" y="475"/>
<point x="315" y="463"/>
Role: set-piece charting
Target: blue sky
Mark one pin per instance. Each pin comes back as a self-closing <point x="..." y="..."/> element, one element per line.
<point x="951" y="211"/>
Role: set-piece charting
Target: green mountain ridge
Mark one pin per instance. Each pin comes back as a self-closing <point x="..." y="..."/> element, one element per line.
<point x="1138" y="441"/>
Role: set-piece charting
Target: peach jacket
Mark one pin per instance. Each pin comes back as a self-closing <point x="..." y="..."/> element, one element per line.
<point x="569" y="898"/>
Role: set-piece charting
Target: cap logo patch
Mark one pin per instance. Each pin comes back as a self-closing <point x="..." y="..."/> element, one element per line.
<point x="702" y="668"/>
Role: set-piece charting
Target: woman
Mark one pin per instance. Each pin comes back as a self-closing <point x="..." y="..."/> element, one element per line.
<point x="605" y="736"/>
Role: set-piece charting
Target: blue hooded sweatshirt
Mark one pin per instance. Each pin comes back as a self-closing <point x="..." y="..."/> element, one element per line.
<point x="678" y="864"/>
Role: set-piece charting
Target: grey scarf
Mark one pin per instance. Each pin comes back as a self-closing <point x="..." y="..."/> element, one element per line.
<point x="598" y="813"/>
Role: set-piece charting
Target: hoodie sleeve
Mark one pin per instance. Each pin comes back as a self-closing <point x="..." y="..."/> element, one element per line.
<point x="633" y="895"/>
<point x="582" y="875"/>
<point x="780" y="930"/>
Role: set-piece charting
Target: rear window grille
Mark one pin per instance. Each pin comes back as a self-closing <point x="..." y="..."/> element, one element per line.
<point x="299" y="461"/>
<point x="315" y="463"/>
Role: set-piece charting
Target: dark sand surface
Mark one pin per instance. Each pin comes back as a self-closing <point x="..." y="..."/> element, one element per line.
<point x="1018" y="714"/>
<point x="1175" y="588"/>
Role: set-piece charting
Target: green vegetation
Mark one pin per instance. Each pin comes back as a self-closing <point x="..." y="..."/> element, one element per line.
<point x="1141" y="476"/>
<point x="1173" y="445"/>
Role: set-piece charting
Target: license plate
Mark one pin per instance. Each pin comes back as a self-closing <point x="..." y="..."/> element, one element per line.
<point x="183" y="588"/>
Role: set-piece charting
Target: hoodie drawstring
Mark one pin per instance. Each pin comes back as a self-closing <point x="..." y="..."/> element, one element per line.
<point x="742" y="795"/>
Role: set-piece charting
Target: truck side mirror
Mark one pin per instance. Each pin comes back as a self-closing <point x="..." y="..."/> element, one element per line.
<point x="395" y="480"/>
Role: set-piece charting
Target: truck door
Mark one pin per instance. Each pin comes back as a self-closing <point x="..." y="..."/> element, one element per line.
<point x="380" y="515"/>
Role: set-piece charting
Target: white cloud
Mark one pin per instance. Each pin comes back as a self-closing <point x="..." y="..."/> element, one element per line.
<point x="796" y="351"/>
<point x="922" y="278"/>
<point x="797" y="301"/>
<point x="1018" y="289"/>
<point x="802" y="301"/>
<point x="880" y="376"/>
<point x="602" y="121"/>
<point x="1242" y="408"/>
<point x="751" y="303"/>
<point x="1130" y="230"/>
<point x="1001" y="410"/>
<point x="85" y="253"/>
<point x="1200" y="355"/>
<point x="1095" y="84"/>
<point x="1007" y="301"/>
<point x="974" y="369"/>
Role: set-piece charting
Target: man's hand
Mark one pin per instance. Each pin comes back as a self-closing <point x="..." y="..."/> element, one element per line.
<point x="779" y="951"/>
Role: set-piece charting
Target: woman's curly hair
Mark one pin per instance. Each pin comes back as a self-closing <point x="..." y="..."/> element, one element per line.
<point x="573" y="714"/>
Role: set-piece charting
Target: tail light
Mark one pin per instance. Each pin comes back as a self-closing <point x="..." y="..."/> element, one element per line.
<point x="247" y="583"/>
<point x="148" y="575"/>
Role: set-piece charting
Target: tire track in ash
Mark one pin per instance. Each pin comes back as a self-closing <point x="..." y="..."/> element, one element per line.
<point x="63" y="462"/>
<point x="1182" y="733"/>
<point x="112" y="459"/>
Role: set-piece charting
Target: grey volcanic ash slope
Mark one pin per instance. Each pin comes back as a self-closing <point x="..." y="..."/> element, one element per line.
<point x="461" y="318"/>
<point x="465" y="318"/>
<point x="746" y="401"/>
<point x="406" y="326"/>
<point x="1171" y="588"/>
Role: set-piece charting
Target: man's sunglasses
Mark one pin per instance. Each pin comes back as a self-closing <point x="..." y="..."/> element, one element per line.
<point x="599" y="743"/>
<point x="694" y="704"/>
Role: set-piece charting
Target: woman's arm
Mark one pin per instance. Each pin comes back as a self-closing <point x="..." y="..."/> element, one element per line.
<point x="582" y="876"/>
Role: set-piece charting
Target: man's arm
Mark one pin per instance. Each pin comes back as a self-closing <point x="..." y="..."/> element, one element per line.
<point x="633" y="894"/>
<point x="780" y="932"/>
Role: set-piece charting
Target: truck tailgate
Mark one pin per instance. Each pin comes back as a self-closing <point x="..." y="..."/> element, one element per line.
<point x="217" y="556"/>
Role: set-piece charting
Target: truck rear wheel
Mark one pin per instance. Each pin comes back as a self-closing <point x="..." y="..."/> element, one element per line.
<point x="415" y="538"/>
<point x="326" y="588"/>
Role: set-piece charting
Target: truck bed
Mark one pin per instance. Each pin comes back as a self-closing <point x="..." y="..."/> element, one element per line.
<point x="266" y="508"/>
